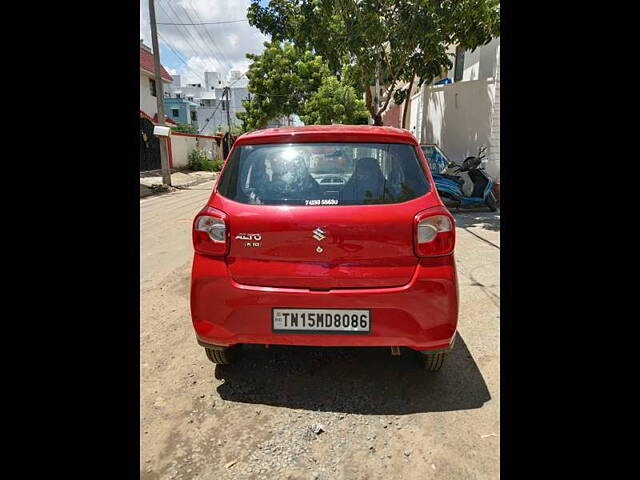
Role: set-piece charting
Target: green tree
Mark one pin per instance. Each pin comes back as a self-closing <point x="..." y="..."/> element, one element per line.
<point x="184" y="128"/>
<point x="281" y="79"/>
<point x="402" y="40"/>
<point x="334" y="102"/>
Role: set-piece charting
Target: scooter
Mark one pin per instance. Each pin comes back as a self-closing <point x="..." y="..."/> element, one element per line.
<point x="449" y="185"/>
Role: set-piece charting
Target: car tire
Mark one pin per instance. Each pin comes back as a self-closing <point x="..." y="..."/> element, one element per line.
<point x="491" y="202"/>
<point x="221" y="357"/>
<point x="433" y="362"/>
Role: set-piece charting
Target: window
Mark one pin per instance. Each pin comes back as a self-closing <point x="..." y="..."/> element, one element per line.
<point x="152" y="87"/>
<point x="323" y="174"/>
<point x="459" y="67"/>
<point x="194" y="118"/>
<point x="175" y="112"/>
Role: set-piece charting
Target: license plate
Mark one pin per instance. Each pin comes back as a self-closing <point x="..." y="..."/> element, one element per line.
<point x="318" y="320"/>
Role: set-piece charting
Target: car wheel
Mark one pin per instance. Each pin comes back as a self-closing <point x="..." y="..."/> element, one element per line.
<point x="221" y="357"/>
<point x="491" y="202"/>
<point x="433" y="362"/>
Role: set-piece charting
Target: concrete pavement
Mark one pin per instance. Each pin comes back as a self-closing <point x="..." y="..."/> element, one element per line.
<point x="165" y="231"/>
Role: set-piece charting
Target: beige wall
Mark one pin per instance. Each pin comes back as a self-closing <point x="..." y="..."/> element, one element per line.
<point x="183" y="145"/>
<point x="148" y="103"/>
<point x="459" y="118"/>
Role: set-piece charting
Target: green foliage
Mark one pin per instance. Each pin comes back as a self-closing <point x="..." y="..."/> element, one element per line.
<point x="281" y="79"/>
<point x="403" y="38"/>
<point x="199" y="161"/>
<point x="334" y="102"/>
<point x="216" y="164"/>
<point x="184" y="128"/>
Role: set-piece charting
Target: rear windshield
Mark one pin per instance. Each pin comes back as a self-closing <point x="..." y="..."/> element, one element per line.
<point x="323" y="174"/>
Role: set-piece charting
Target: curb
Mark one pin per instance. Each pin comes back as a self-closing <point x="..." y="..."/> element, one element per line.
<point x="157" y="189"/>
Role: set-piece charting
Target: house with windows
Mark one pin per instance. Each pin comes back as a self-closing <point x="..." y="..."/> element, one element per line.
<point x="149" y="143"/>
<point x="148" y="88"/>
<point x="181" y="110"/>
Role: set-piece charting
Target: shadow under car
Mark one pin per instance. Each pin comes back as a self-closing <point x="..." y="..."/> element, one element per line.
<point x="356" y="380"/>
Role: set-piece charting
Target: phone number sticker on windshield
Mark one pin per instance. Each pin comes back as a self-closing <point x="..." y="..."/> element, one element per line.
<point x="324" y="201"/>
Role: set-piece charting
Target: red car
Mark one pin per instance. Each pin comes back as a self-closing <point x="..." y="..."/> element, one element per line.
<point x="285" y="258"/>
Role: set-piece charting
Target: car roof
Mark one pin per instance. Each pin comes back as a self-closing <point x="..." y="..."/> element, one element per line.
<point x="328" y="133"/>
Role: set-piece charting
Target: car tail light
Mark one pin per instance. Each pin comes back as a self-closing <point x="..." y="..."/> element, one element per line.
<point x="435" y="233"/>
<point x="211" y="232"/>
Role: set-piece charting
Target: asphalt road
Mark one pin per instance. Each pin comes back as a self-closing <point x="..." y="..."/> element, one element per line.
<point x="382" y="416"/>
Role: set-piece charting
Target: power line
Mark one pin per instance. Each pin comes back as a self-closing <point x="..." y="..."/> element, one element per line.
<point x="275" y="94"/>
<point x="178" y="56"/>
<point x="200" y="40"/>
<point x="237" y="79"/>
<point x="213" y="42"/>
<point x="184" y="37"/>
<point x="203" y="23"/>
<point x="196" y="49"/>
<point x="209" y="119"/>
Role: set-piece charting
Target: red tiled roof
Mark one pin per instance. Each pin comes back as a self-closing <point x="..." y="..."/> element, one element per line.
<point x="155" y="118"/>
<point x="146" y="64"/>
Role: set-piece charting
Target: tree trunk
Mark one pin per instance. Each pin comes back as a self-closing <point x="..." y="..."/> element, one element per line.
<point x="377" y="120"/>
<point x="407" y="101"/>
<point x="368" y="100"/>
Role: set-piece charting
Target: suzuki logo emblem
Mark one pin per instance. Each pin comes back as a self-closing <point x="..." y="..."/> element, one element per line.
<point x="319" y="234"/>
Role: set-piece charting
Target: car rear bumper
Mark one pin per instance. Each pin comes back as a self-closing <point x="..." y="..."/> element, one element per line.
<point x="421" y="315"/>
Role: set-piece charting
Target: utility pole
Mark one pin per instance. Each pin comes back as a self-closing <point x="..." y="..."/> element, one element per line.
<point x="227" y="89"/>
<point x="164" y="162"/>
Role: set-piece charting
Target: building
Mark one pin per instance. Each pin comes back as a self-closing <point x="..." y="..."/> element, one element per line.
<point x="460" y="110"/>
<point x="211" y="106"/>
<point x="290" y="121"/>
<point x="181" y="110"/>
<point x="465" y="114"/>
<point x="149" y="143"/>
<point x="148" y="98"/>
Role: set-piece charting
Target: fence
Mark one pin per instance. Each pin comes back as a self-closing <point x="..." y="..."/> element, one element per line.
<point x="182" y="144"/>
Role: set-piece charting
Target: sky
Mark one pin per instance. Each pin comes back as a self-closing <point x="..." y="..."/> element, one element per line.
<point x="189" y="51"/>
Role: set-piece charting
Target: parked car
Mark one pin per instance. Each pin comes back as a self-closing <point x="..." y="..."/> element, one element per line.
<point x="281" y="259"/>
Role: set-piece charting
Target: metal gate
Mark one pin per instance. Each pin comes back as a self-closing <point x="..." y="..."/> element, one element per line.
<point x="149" y="147"/>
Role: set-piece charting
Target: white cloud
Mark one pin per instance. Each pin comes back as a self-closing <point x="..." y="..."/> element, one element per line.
<point x="145" y="29"/>
<point x="219" y="47"/>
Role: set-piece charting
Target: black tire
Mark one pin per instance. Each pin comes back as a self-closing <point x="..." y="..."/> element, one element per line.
<point x="433" y="362"/>
<point x="491" y="202"/>
<point x="221" y="357"/>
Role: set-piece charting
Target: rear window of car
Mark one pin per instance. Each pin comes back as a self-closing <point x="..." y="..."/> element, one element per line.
<point x="315" y="174"/>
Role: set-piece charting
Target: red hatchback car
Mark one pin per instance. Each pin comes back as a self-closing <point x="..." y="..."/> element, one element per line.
<point x="325" y="236"/>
